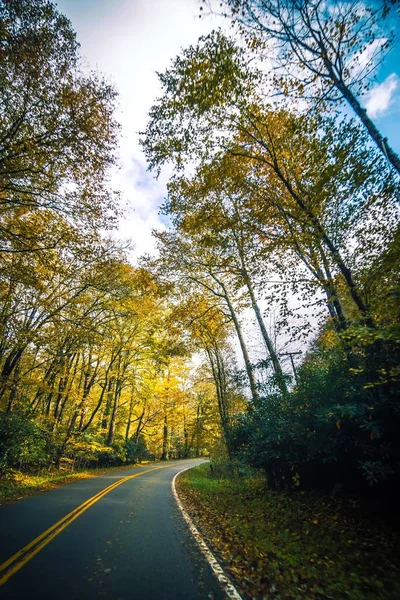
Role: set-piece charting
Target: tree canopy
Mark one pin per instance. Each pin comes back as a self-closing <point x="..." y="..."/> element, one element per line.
<point x="275" y="207"/>
<point x="57" y="128"/>
<point x="328" y="51"/>
<point x="267" y="324"/>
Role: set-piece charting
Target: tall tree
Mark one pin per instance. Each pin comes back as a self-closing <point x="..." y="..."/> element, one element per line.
<point x="194" y="265"/>
<point x="225" y="234"/>
<point x="329" y="50"/>
<point x="319" y="167"/>
<point x="210" y="331"/>
<point x="57" y="130"/>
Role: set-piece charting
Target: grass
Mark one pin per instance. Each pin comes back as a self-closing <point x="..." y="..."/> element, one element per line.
<point x="15" y="485"/>
<point x="292" y="545"/>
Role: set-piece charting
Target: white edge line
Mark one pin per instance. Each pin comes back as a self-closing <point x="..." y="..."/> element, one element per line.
<point x="218" y="571"/>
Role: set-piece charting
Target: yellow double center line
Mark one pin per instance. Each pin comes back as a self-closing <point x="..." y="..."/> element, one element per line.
<point x="20" y="558"/>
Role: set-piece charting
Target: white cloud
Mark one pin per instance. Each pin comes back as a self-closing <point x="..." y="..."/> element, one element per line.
<point x="368" y="56"/>
<point x="381" y="96"/>
<point x="128" y="41"/>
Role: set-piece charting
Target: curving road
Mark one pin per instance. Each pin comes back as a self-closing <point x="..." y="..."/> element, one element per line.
<point x="119" y="536"/>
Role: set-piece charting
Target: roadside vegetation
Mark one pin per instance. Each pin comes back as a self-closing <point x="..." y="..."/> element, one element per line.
<point x="290" y="545"/>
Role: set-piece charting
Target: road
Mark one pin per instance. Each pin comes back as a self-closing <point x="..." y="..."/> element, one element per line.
<point x="126" y="543"/>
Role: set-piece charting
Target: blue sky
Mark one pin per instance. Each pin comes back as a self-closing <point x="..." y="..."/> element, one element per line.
<point x="388" y="120"/>
<point x="128" y="41"/>
<point x="387" y="77"/>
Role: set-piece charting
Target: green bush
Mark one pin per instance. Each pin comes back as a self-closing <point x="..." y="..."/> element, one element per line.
<point x="136" y="450"/>
<point x="331" y="429"/>
<point x="23" y="445"/>
<point x="86" y="451"/>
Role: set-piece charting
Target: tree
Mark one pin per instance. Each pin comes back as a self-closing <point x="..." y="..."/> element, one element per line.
<point x="195" y="267"/>
<point x="57" y="129"/>
<point x="224" y="234"/>
<point x="209" y="329"/>
<point x="328" y="49"/>
<point x="40" y="290"/>
<point x="317" y="165"/>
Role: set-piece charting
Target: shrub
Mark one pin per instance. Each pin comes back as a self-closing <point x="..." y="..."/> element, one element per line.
<point x="331" y="429"/>
<point x="136" y="450"/>
<point x="23" y="445"/>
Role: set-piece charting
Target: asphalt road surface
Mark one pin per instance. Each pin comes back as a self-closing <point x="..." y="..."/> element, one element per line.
<point x="82" y="541"/>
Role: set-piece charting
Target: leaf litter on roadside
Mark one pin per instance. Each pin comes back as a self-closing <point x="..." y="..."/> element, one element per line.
<point x="292" y="546"/>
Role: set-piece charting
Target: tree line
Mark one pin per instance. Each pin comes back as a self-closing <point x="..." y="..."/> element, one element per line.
<point x="284" y="201"/>
<point x="93" y="369"/>
<point x="283" y="212"/>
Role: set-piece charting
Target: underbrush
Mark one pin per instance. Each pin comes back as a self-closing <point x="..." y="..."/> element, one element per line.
<point x="292" y="545"/>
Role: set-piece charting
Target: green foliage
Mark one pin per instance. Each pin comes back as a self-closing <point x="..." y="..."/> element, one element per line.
<point x="332" y="429"/>
<point x="136" y="449"/>
<point x="23" y="445"/>
<point x="119" y="450"/>
<point x="86" y="451"/>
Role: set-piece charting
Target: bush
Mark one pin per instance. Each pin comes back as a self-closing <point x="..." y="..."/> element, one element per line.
<point x="136" y="450"/>
<point x="331" y="430"/>
<point x="23" y="445"/>
<point x="88" y="451"/>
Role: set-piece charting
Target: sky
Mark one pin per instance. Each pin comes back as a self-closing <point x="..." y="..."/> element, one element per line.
<point x="128" y="41"/>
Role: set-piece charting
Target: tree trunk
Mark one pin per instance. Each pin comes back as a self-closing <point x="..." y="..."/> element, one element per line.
<point x="61" y="449"/>
<point x="198" y="431"/>
<point x="105" y="387"/>
<point x="107" y="410"/>
<point x="113" y="418"/>
<point x="164" y="455"/>
<point x="218" y="371"/>
<point x="139" y="426"/>
<point x="245" y="354"/>
<point x="10" y="364"/>
<point x="280" y="378"/>
<point x="13" y="390"/>
<point x="185" y="438"/>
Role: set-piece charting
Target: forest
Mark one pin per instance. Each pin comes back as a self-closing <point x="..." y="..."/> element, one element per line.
<point x="265" y="332"/>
